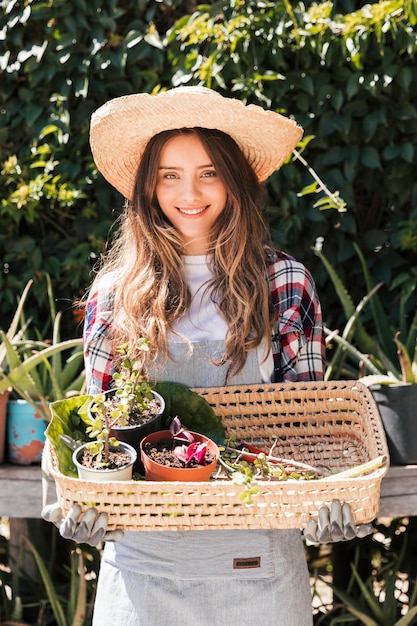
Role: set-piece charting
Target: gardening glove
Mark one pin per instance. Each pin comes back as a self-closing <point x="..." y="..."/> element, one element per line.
<point x="334" y="524"/>
<point x="90" y="529"/>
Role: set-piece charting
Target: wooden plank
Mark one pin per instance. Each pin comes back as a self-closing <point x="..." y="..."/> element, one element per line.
<point x="21" y="491"/>
<point x="399" y="492"/>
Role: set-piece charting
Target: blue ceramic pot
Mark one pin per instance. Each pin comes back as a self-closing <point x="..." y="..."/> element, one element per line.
<point x="25" y="433"/>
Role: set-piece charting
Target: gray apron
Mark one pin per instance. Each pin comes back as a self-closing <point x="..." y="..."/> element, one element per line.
<point x="208" y="577"/>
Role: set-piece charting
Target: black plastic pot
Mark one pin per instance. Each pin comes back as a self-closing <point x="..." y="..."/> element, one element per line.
<point x="397" y="405"/>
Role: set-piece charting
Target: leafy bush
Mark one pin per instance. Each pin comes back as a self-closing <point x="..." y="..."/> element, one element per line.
<point x="348" y="78"/>
<point x="367" y="582"/>
<point x="60" y="588"/>
<point x="59" y="61"/>
<point x="390" y="354"/>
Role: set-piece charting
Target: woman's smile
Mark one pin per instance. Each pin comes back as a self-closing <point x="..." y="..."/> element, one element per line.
<point x="189" y="191"/>
<point x="191" y="211"/>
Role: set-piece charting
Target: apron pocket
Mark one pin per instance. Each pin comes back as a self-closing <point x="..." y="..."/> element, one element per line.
<point x="226" y="554"/>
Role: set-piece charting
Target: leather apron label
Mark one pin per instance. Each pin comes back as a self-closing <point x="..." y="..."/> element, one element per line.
<point x="247" y="563"/>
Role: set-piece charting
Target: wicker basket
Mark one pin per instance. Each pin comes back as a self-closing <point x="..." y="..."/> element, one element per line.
<point x="335" y="425"/>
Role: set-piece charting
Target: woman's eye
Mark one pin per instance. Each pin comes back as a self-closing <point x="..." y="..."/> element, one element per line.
<point x="209" y="174"/>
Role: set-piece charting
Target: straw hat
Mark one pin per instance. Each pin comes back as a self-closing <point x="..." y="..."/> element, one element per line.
<point x="121" y="128"/>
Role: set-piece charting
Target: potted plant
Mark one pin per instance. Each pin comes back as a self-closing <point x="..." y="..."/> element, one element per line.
<point x="395" y="392"/>
<point x="105" y="458"/>
<point x="386" y="363"/>
<point x="12" y="335"/>
<point x="132" y="408"/>
<point x="71" y="418"/>
<point x="118" y="420"/>
<point x="34" y="382"/>
<point x="37" y="372"/>
<point x="178" y="454"/>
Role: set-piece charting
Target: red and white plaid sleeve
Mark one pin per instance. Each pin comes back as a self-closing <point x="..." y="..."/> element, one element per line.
<point x="98" y="354"/>
<point x="298" y="339"/>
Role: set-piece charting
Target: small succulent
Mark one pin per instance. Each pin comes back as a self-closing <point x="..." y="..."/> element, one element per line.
<point x="132" y="394"/>
<point x="99" y="430"/>
<point x="133" y="390"/>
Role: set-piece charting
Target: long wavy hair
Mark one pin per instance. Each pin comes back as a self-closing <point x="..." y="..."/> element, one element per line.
<point x="150" y="293"/>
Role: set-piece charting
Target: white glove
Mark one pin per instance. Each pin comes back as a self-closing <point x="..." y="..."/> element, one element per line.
<point x="91" y="528"/>
<point x="334" y="525"/>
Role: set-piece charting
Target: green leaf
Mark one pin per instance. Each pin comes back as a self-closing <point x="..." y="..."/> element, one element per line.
<point x="78" y="590"/>
<point x="409" y="618"/>
<point x="192" y="409"/>
<point x="344" y="296"/>
<point x="22" y="368"/>
<point x="405" y="111"/>
<point x="381" y="321"/>
<point x="407" y="152"/>
<point x="32" y="112"/>
<point x="405" y="78"/>
<point x="66" y="420"/>
<point x="370" y="158"/>
<point x="337" y="100"/>
<point x="352" y="87"/>
<point x="53" y="597"/>
<point x="391" y="152"/>
<point x="50" y="129"/>
<point x="73" y="375"/>
<point x="16" y="374"/>
<point x="370" y="124"/>
<point x="354" y="607"/>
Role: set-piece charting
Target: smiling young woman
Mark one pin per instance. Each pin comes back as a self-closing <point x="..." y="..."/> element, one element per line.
<point x="192" y="270"/>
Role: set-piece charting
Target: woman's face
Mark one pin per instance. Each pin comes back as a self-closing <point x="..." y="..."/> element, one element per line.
<point x="189" y="191"/>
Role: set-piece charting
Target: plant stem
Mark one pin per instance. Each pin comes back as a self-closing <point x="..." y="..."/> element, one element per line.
<point x="281" y="461"/>
<point x="352" y="472"/>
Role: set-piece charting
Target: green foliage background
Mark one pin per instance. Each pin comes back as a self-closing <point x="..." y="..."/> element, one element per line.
<point x="346" y="72"/>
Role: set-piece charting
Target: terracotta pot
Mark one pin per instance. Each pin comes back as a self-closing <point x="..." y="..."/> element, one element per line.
<point x="4" y="398"/>
<point x="397" y="405"/>
<point x="102" y="475"/>
<point x="25" y="433"/>
<point x="133" y="435"/>
<point x="156" y="471"/>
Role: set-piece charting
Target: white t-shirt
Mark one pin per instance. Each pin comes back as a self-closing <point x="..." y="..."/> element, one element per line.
<point x="203" y="321"/>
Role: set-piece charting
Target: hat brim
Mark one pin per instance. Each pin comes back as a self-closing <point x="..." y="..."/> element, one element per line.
<point x="121" y="129"/>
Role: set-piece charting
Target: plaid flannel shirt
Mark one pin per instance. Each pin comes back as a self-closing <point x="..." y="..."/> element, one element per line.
<point x="297" y="338"/>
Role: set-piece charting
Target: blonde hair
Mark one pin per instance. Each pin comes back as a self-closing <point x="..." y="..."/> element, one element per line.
<point x="150" y="293"/>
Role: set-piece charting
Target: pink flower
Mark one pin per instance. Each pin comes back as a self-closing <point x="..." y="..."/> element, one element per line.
<point x="196" y="450"/>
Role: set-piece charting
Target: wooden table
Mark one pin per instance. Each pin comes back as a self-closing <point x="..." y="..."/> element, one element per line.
<point x="399" y="492"/>
<point x="21" y="491"/>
